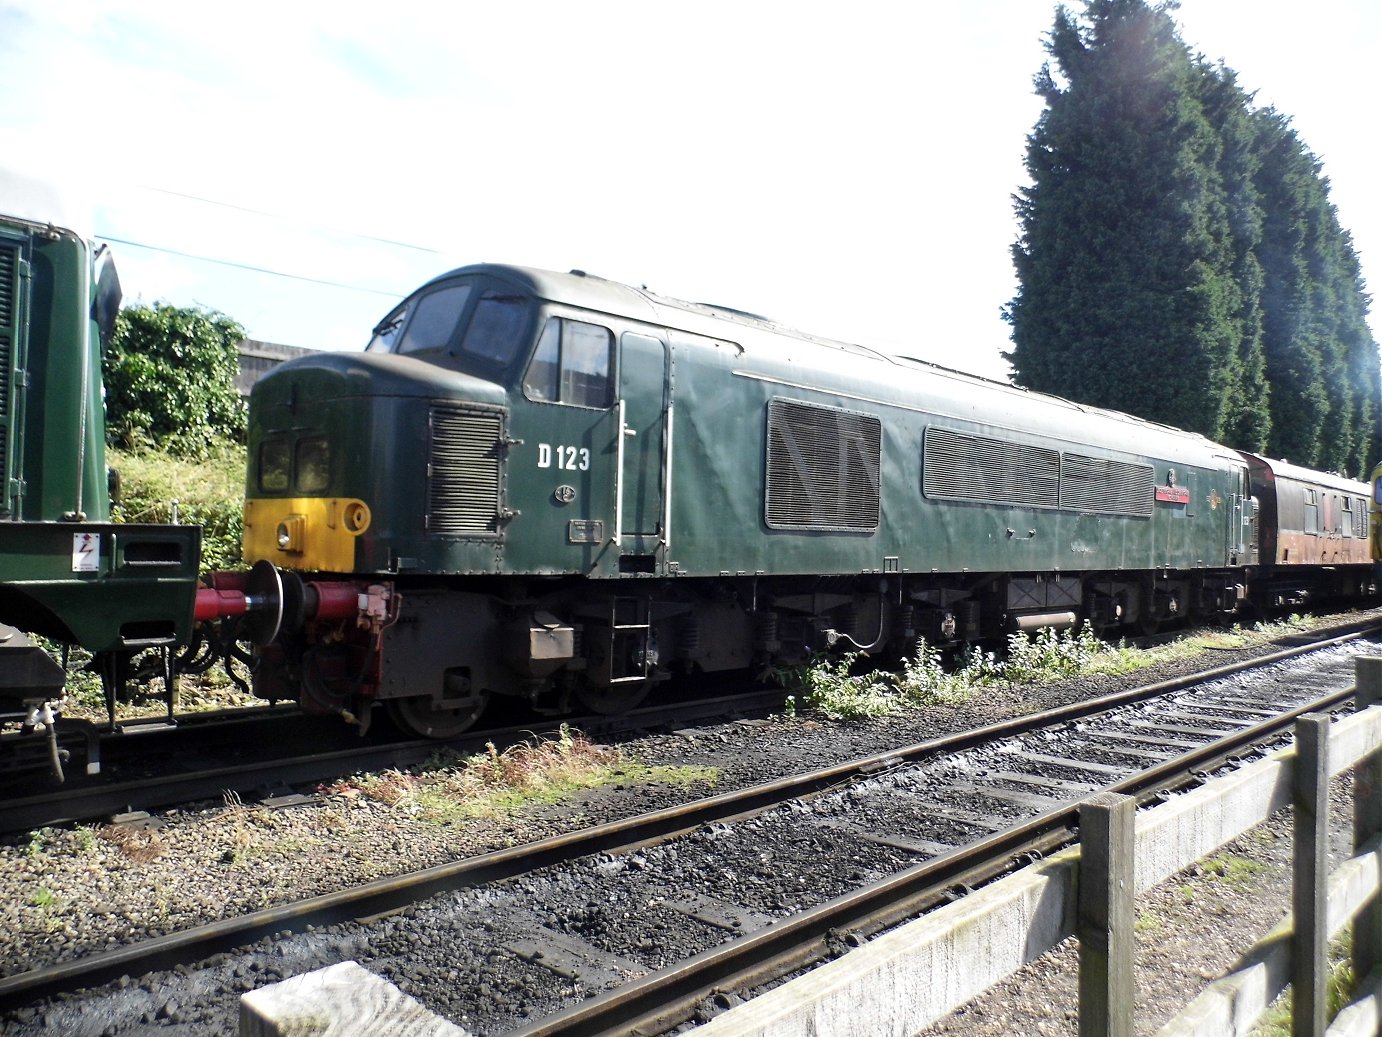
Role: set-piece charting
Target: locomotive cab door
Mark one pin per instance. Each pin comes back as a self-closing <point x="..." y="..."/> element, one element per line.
<point x="645" y="434"/>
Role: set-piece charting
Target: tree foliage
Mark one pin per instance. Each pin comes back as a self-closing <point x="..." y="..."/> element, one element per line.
<point x="1178" y="255"/>
<point x="170" y="380"/>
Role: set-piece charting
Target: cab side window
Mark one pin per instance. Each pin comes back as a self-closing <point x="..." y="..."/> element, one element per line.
<point x="572" y="364"/>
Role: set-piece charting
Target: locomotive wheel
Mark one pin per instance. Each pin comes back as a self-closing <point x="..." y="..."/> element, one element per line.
<point x="612" y="698"/>
<point x="416" y="716"/>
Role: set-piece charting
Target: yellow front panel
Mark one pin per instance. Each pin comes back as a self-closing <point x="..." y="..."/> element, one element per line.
<point x="311" y="534"/>
<point x="1375" y="515"/>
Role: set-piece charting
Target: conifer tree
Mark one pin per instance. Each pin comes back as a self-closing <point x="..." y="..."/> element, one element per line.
<point x="1127" y="298"/>
<point x="1178" y="254"/>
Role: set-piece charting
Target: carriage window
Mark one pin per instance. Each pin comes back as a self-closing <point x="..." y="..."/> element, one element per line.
<point x="274" y="461"/>
<point x="571" y="364"/>
<point x="1311" y="521"/>
<point x="496" y="327"/>
<point x="1345" y="524"/>
<point x="312" y="467"/>
<point x="434" y="319"/>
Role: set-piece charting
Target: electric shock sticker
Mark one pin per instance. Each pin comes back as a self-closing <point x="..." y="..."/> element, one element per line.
<point x="86" y="552"/>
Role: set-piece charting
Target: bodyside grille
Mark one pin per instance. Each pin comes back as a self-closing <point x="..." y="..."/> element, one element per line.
<point x="463" y="471"/>
<point x="823" y="467"/>
<point x="1109" y="487"/>
<point x="961" y="466"/>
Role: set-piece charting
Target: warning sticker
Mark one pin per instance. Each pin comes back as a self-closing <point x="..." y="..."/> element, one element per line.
<point x="86" y="552"/>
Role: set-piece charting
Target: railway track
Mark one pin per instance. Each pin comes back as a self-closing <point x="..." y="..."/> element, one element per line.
<point x="992" y="813"/>
<point x="265" y="753"/>
<point x="261" y="754"/>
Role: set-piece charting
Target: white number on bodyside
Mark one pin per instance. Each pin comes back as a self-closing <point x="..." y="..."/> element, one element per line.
<point x="566" y="458"/>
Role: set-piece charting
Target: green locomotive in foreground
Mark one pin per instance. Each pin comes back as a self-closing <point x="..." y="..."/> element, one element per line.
<point x="66" y="571"/>
<point x="555" y="486"/>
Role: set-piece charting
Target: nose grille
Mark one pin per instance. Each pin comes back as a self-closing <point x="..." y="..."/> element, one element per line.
<point x="463" y="471"/>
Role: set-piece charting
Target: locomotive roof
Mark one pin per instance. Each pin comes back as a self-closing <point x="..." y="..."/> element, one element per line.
<point x="44" y="203"/>
<point x="577" y="288"/>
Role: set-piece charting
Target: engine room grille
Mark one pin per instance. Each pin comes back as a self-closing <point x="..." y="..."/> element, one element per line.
<point x="823" y="467"/>
<point x="463" y="471"/>
<point x="1108" y="487"/>
<point x="961" y="466"/>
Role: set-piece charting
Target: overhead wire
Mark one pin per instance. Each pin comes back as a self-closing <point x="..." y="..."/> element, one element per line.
<point x="245" y="266"/>
<point x="286" y="219"/>
<point x="233" y="264"/>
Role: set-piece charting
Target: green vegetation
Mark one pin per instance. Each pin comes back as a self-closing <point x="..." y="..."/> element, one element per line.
<point x="1232" y="870"/>
<point x="1339" y="994"/>
<point x="207" y="490"/>
<point x="848" y="687"/>
<point x="1179" y="257"/>
<point x="493" y="783"/>
<point x="170" y="380"/>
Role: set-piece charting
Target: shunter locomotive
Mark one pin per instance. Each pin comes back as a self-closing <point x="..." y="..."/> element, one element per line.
<point x="561" y="488"/>
<point x="66" y="571"/>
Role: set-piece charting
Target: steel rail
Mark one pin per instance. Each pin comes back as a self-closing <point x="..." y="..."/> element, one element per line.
<point x="383" y="896"/>
<point x="84" y="801"/>
<point x="668" y="997"/>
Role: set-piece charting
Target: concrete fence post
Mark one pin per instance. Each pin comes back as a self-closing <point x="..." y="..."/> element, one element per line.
<point x="1367" y="819"/>
<point x="1310" y="878"/>
<point x="1104" y="921"/>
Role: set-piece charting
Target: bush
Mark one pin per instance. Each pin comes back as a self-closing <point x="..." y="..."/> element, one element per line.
<point x="208" y="492"/>
<point x="170" y="380"/>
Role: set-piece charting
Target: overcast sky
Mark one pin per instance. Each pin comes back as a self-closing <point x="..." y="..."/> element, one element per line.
<point x="845" y="169"/>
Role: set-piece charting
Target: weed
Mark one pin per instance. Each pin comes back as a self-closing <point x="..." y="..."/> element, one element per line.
<point x="1146" y="922"/>
<point x="491" y="783"/>
<point x="1339" y="993"/>
<point x="830" y="685"/>
<point x="836" y="686"/>
<point x="833" y="690"/>
<point x="1232" y="870"/>
<point x="139" y="845"/>
<point x="43" y="898"/>
<point x="41" y="840"/>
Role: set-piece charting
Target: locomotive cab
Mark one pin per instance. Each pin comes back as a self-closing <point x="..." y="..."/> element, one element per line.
<point x="480" y="407"/>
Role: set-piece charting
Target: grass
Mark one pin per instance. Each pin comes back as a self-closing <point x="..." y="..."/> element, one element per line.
<point x="849" y="688"/>
<point x="208" y="493"/>
<point x="1339" y="994"/>
<point x="1232" y="870"/>
<point x="493" y="783"/>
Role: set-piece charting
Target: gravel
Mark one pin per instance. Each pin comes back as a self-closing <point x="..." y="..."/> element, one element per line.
<point x="66" y="893"/>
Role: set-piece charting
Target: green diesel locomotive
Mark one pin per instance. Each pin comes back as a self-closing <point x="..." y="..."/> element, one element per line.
<point x="66" y="571"/>
<point x="559" y="487"/>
